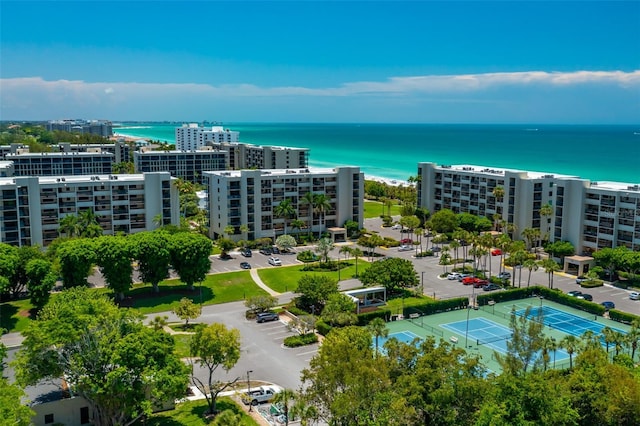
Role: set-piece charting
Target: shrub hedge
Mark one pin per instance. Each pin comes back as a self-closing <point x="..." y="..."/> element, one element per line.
<point x="551" y="294"/>
<point x="592" y="283"/>
<point x="622" y="317"/>
<point x="437" y="306"/>
<point x="300" y="340"/>
<point x="364" y="319"/>
<point x="322" y="327"/>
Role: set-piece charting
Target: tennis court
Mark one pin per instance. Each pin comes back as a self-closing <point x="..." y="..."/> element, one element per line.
<point x="482" y="331"/>
<point x="403" y="336"/>
<point x="564" y="321"/>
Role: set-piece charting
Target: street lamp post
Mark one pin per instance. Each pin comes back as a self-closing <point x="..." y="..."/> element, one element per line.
<point x="249" y="388"/>
<point x="422" y="284"/>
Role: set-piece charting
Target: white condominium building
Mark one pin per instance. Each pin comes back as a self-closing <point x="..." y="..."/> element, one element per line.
<point x="190" y="137"/>
<point x="588" y="214"/>
<point x="187" y="165"/>
<point x="249" y="197"/>
<point x="31" y="207"/>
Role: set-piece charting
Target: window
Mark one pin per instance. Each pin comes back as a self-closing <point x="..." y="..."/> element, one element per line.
<point x="84" y="415"/>
<point x="48" y="419"/>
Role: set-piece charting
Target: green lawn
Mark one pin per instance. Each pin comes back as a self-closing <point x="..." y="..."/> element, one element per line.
<point x="283" y="279"/>
<point x="182" y="344"/>
<point x="215" y="289"/>
<point x="191" y="413"/>
<point x="374" y="209"/>
<point x="15" y="315"/>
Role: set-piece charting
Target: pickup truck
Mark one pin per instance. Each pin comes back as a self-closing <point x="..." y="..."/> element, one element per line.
<point x="259" y="395"/>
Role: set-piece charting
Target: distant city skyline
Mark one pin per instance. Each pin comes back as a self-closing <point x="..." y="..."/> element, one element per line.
<point x="394" y="62"/>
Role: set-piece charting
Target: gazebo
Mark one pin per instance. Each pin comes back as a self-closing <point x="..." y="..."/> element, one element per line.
<point x="367" y="299"/>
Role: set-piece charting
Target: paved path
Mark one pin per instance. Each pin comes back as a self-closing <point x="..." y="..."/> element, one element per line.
<point x="261" y="284"/>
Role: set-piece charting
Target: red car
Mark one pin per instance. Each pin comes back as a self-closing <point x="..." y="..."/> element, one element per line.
<point x="468" y="280"/>
<point x="406" y="241"/>
<point x="480" y="283"/>
<point x="496" y="252"/>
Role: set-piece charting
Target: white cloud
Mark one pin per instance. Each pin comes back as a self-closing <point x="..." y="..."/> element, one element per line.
<point x="36" y="97"/>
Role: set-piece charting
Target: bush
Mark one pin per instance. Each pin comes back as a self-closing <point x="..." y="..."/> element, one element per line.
<point x="436" y="306"/>
<point x="592" y="283"/>
<point x="295" y="310"/>
<point x="300" y="340"/>
<point x="622" y="317"/>
<point x="427" y="253"/>
<point x="323" y="328"/>
<point x="307" y="256"/>
<point x="331" y="265"/>
<point x="390" y="242"/>
<point x="364" y="319"/>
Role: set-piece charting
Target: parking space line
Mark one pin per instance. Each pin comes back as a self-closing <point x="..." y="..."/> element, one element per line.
<point x="307" y="353"/>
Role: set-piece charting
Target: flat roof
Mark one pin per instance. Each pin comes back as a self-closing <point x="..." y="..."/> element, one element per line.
<point x="364" y="290"/>
<point x="501" y="171"/>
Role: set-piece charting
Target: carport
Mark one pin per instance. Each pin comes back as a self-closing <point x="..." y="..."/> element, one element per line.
<point x="338" y="235"/>
<point x="367" y="298"/>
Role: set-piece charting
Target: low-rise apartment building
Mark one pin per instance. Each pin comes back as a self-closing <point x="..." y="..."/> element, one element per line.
<point x="188" y="165"/>
<point x="31" y="207"/>
<point x="249" y="197"/>
<point x="588" y="214"/>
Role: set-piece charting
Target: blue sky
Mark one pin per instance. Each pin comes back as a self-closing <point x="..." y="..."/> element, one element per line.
<point x="333" y="61"/>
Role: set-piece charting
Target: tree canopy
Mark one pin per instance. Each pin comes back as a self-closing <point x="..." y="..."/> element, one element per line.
<point x="393" y="273"/>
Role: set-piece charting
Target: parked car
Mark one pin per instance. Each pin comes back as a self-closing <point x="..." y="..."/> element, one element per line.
<point x="405" y="248"/>
<point x="491" y="287"/>
<point x="406" y="241"/>
<point x="468" y="280"/>
<point x="245" y="265"/>
<point x="259" y="395"/>
<point x="266" y="317"/>
<point x="586" y="296"/>
<point x="454" y="276"/>
<point x="504" y="275"/>
<point x="396" y="227"/>
<point x="246" y="252"/>
<point x="634" y="295"/>
<point x="275" y="261"/>
<point x="275" y="250"/>
<point x="608" y="305"/>
<point x="581" y="279"/>
<point x="266" y="251"/>
<point x="480" y="283"/>
<point x="463" y="276"/>
<point x="574" y="293"/>
<point x="496" y="252"/>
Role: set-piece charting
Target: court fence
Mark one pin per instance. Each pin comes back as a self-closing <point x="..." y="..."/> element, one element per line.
<point x="419" y="321"/>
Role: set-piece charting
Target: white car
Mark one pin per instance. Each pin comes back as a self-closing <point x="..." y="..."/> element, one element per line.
<point x="634" y="295"/>
<point x="405" y="248"/>
<point x="454" y="276"/>
<point x="396" y="227"/>
<point x="275" y="261"/>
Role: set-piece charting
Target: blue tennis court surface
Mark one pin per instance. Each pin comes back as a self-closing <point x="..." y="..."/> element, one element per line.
<point x="482" y="330"/>
<point x="403" y="336"/>
<point x="565" y="322"/>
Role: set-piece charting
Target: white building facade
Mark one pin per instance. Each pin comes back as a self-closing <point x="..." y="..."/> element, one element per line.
<point x="190" y="137"/>
<point x="31" y="207"/>
<point x="588" y="214"/>
<point x="249" y="197"/>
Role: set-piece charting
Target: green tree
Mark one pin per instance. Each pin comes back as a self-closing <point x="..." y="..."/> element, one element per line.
<point x="571" y="344"/>
<point x="443" y="221"/>
<point x="339" y="310"/>
<point x="285" y="397"/>
<point x="393" y="273"/>
<point x="323" y="247"/>
<point x="309" y="200"/>
<point x="225" y="245"/>
<point x="19" y="279"/>
<point x="41" y="279"/>
<point x="76" y="261"/>
<point x="88" y="223"/>
<point x="190" y="257"/>
<point x="525" y="343"/>
<point x="214" y="347"/>
<point x="547" y="211"/>
<point x="151" y="250"/>
<point x="356" y="253"/>
<point x="285" y="242"/>
<point x="550" y="267"/>
<point x="12" y="410"/>
<point x="113" y="255"/>
<point x="187" y="310"/>
<point x="297" y="224"/>
<point x="69" y="226"/>
<point x="260" y="303"/>
<point x="560" y="249"/>
<point x="119" y="366"/>
<point x="9" y="260"/>
<point x="315" y="291"/>
<point x="531" y="265"/>
<point x="378" y="328"/>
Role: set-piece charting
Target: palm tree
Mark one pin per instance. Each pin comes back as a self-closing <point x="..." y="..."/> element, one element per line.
<point x="356" y="253"/>
<point x="547" y="211"/>
<point x="549" y="344"/>
<point x="229" y="230"/>
<point x="633" y="337"/>
<point x="69" y="226"/>
<point x="531" y="265"/>
<point x="378" y="328"/>
<point x="570" y="344"/>
<point x="285" y="210"/>
<point x="607" y="334"/>
<point x="285" y="397"/>
<point x="309" y="199"/>
<point x="531" y="235"/>
<point x="550" y="267"/>
<point x="321" y="204"/>
<point x="244" y="229"/>
<point x="303" y="411"/>
<point x="455" y="245"/>
<point x="88" y="222"/>
<point x="297" y="224"/>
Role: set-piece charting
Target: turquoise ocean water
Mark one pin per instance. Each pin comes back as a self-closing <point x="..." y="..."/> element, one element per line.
<point x="599" y="153"/>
